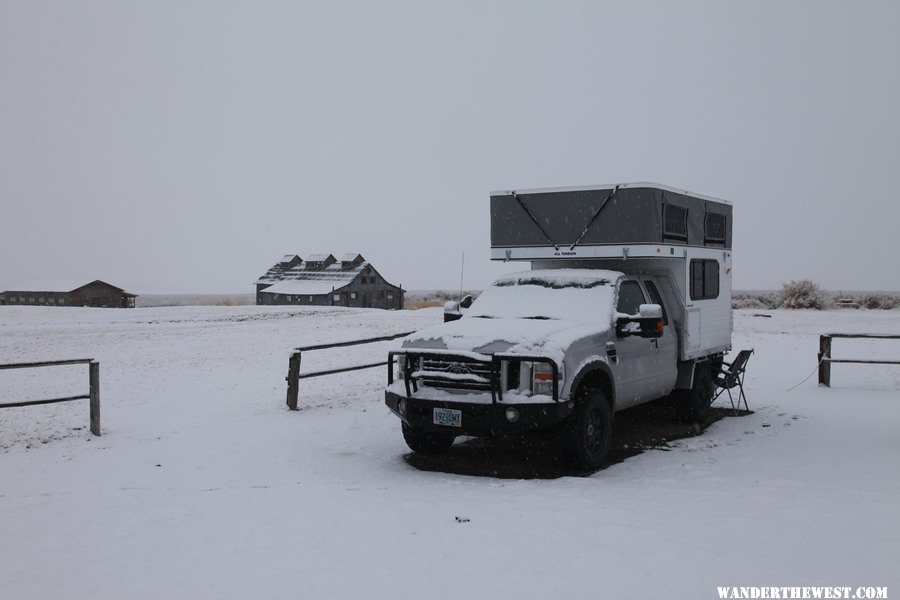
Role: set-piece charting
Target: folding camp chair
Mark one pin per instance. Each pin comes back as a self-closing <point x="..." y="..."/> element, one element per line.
<point x="732" y="376"/>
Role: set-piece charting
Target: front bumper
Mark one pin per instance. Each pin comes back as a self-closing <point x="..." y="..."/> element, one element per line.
<point x="482" y="420"/>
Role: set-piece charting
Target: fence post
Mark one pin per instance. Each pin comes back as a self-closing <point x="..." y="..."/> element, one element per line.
<point x="824" y="365"/>
<point x="293" y="380"/>
<point x="94" y="377"/>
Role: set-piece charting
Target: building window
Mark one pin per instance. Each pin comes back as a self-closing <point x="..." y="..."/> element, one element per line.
<point x="390" y="295"/>
<point x="353" y="295"/>
<point x="675" y="222"/>
<point x="714" y="228"/>
<point x="336" y="297"/>
<point x="704" y="279"/>
<point x="31" y="299"/>
<point x="310" y="299"/>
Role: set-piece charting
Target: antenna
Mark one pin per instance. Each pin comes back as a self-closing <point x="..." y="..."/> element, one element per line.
<point x="462" y="270"/>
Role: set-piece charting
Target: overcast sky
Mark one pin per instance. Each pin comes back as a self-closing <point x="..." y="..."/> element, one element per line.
<point x="186" y="146"/>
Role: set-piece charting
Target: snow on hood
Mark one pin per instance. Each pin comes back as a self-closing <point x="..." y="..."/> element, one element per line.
<point x="519" y="336"/>
<point x="533" y="312"/>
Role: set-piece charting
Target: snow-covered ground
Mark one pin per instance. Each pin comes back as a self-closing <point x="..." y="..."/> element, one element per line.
<point x="204" y="485"/>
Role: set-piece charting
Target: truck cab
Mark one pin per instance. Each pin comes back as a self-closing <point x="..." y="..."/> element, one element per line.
<point x="586" y="332"/>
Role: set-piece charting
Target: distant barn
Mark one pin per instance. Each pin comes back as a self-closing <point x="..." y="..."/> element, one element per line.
<point x="323" y="280"/>
<point x="68" y="293"/>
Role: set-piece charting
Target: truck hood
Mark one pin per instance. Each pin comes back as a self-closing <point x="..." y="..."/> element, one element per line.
<point x="545" y="337"/>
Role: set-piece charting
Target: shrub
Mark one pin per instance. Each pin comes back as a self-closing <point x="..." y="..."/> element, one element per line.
<point x="883" y="301"/>
<point x="747" y="302"/>
<point x="804" y="293"/>
<point x="754" y="300"/>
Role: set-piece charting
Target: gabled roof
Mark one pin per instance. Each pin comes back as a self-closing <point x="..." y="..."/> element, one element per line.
<point x="350" y="256"/>
<point x="319" y="257"/>
<point x="288" y="258"/>
<point x="306" y="278"/>
<point x="51" y="285"/>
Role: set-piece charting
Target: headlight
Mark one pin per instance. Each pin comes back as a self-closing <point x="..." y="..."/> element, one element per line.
<point x="542" y="379"/>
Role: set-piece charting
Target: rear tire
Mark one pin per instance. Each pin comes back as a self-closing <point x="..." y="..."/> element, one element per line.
<point x="586" y="435"/>
<point x="693" y="405"/>
<point x="426" y="442"/>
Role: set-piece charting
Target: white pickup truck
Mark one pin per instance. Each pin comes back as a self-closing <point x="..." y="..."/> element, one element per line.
<point x="581" y="335"/>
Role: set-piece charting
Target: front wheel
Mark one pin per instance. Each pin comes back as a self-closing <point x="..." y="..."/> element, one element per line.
<point x="426" y="442"/>
<point x="694" y="404"/>
<point x="587" y="433"/>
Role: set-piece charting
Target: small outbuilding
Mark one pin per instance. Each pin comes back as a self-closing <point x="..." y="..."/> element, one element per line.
<point x="94" y="293"/>
<point x="324" y="280"/>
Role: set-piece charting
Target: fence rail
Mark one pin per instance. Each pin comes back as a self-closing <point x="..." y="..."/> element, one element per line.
<point x="93" y="394"/>
<point x="825" y="360"/>
<point x="294" y="376"/>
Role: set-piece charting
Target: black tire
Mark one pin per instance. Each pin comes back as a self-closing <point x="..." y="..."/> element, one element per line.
<point x="586" y="435"/>
<point x="426" y="442"/>
<point x="693" y="404"/>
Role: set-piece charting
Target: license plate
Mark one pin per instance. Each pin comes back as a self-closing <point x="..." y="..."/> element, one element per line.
<point x="448" y="417"/>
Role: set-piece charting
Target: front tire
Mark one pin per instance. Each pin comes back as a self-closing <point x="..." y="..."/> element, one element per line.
<point x="426" y="442"/>
<point x="587" y="434"/>
<point x="694" y="404"/>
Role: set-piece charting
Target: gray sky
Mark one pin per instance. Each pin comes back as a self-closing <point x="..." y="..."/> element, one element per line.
<point x="186" y="146"/>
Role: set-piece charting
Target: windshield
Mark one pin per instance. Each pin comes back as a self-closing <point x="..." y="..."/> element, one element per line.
<point x="563" y="294"/>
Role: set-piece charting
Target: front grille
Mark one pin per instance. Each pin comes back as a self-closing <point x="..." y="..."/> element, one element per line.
<point x="455" y="374"/>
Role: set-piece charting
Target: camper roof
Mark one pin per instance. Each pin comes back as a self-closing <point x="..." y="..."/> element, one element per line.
<point x="609" y="186"/>
<point x="574" y="222"/>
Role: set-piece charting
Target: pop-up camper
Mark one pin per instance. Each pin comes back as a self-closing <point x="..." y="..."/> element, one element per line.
<point x="627" y="300"/>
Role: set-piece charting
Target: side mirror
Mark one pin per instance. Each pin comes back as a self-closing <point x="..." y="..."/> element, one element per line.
<point x="650" y="311"/>
<point x="648" y="323"/>
<point x="452" y="311"/>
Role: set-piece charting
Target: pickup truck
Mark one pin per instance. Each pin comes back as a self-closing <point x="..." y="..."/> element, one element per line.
<point x="559" y="349"/>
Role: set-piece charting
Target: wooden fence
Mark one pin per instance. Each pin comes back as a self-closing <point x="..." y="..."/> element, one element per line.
<point x="825" y="360"/>
<point x="93" y="392"/>
<point x="294" y="376"/>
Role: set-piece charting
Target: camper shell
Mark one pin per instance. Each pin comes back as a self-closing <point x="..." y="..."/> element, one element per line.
<point x="681" y="237"/>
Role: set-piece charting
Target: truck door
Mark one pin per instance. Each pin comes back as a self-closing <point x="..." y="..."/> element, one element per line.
<point x="634" y="369"/>
<point x="665" y="352"/>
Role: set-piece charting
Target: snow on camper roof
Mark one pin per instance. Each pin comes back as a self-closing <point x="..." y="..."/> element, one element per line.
<point x="609" y="186"/>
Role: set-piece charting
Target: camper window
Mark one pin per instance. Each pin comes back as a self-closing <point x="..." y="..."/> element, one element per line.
<point x="714" y="227"/>
<point x="704" y="279"/>
<point x="675" y="222"/>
